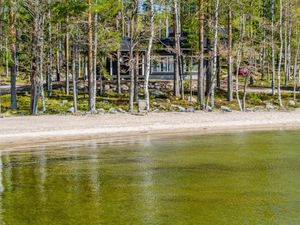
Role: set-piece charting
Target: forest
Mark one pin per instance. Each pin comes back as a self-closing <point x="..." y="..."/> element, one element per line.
<point x="59" y="56"/>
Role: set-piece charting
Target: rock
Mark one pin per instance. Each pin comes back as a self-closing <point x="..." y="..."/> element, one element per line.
<point x="192" y="99"/>
<point x="106" y="102"/>
<point x="292" y="103"/>
<point x="112" y="111"/>
<point x="101" y="111"/>
<point x="120" y="110"/>
<point x="190" y="110"/>
<point x="159" y="94"/>
<point x="162" y="107"/>
<point x="106" y="87"/>
<point x="181" y="109"/>
<point x="199" y="108"/>
<point x="156" y="111"/>
<point x="209" y="109"/>
<point x="70" y="110"/>
<point x="251" y="110"/>
<point x="269" y="106"/>
<point x="226" y="109"/>
<point x="64" y="102"/>
<point x="124" y="87"/>
<point x="168" y="101"/>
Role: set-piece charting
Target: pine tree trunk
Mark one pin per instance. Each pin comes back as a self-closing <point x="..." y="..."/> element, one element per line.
<point x="95" y="55"/>
<point x="13" y="78"/>
<point x="35" y="61"/>
<point x="177" y="33"/>
<point x="136" y="77"/>
<point x="273" y="48"/>
<point x="67" y="58"/>
<point x="201" y="49"/>
<point x="74" y="75"/>
<point x="118" y="59"/>
<point x="41" y="64"/>
<point x="229" y="78"/>
<point x="50" y="53"/>
<point x="148" y="57"/>
<point x="296" y="69"/>
<point x="280" y="58"/>
<point x="91" y="73"/>
<point x="215" y="52"/>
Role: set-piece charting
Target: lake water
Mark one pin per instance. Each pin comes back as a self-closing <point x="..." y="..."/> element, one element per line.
<point x="244" y="178"/>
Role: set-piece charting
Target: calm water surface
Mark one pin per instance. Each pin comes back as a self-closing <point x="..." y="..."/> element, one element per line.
<point x="246" y="178"/>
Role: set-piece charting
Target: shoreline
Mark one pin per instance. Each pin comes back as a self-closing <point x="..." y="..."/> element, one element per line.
<point x="18" y="132"/>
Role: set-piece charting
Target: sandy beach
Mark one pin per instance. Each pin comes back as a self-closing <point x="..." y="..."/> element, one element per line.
<point x="19" y="131"/>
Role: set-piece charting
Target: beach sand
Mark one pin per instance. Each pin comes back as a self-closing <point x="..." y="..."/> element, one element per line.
<point x="29" y="130"/>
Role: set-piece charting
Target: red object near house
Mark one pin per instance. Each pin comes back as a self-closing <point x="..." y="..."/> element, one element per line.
<point x="243" y="72"/>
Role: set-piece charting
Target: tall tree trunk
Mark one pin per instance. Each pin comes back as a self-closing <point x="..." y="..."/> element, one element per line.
<point x="229" y="78"/>
<point x="280" y="58"/>
<point x="118" y="58"/>
<point x="201" y="49"/>
<point x="13" y="78"/>
<point x="74" y="75"/>
<point x="50" y="53"/>
<point x="214" y="69"/>
<point x="148" y="57"/>
<point x="67" y="58"/>
<point x="273" y="48"/>
<point x="59" y="59"/>
<point x="177" y="33"/>
<point x="95" y="55"/>
<point x="41" y="64"/>
<point x="136" y="76"/>
<point x="133" y="26"/>
<point x="296" y="69"/>
<point x="35" y="60"/>
<point x="6" y="58"/>
<point x="289" y="41"/>
<point x="91" y="73"/>
<point x="239" y="60"/>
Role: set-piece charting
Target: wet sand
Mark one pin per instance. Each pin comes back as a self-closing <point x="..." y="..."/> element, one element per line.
<point x="33" y="130"/>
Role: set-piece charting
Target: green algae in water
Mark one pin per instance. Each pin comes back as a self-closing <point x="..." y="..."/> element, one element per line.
<point x="246" y="178"/>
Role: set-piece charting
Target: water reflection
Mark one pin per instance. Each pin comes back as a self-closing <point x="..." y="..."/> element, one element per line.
<point x="229" y="179"/>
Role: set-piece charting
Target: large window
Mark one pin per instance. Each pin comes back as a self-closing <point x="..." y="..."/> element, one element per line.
<point x="163" y="64"/>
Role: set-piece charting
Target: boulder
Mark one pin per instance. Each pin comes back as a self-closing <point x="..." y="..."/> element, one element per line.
<point x="209" y="109"/>
<point x="225" y="109"/>
<point x="112" y="111"/>
<point x="101" y="111"/>
<point x="269" y="106"/>
<point x="190" y="110"/>
<point x="124" y="87"/>
<point x="106" y="102"/>
<point x="292" y="103"/>
<point x="71" y="110"/>
<point x="120" y="110"/>
<point x="251" y="110"/>
<point x="106" y="87"/>
<point x="159" y="94"/>
<point x="162" y="107"/>
<point x="156" y="111"/>
<point x="181" y="109"/>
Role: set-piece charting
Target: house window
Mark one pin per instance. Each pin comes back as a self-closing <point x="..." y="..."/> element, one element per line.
<point x="163" y="64"/>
